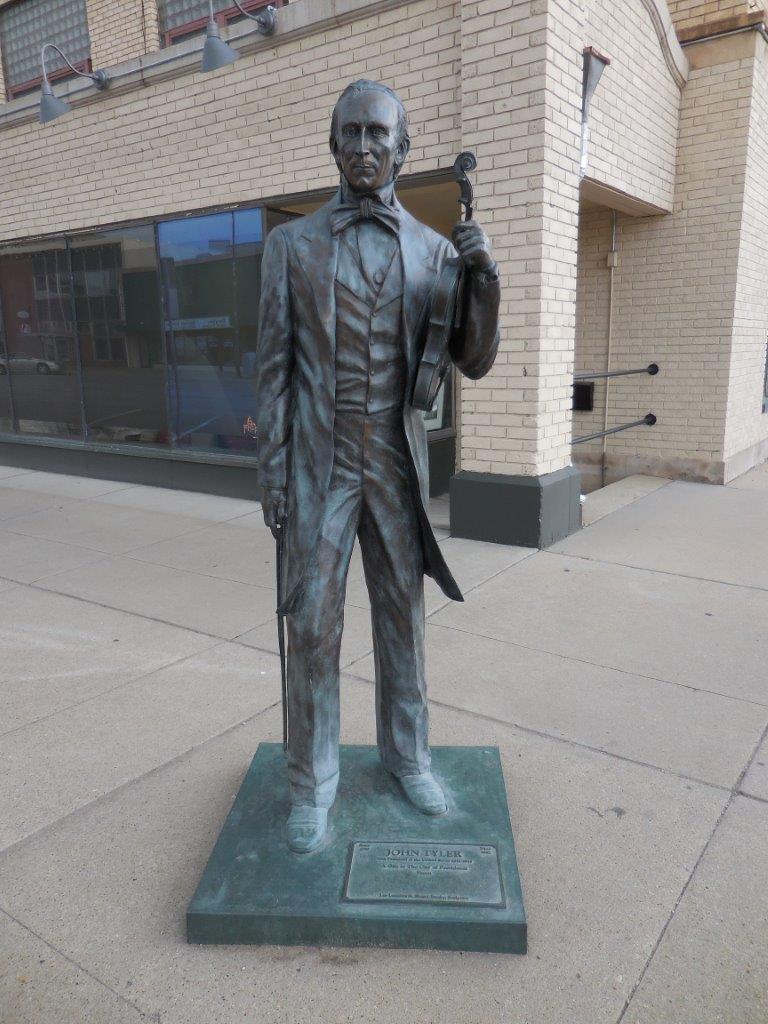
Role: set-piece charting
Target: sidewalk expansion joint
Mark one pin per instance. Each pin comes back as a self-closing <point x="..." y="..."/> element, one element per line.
<point x="752" y="796"/>
<point x="204" y="525"/>
<point x="565" y="740"/>
<point x="139" y="615"/>
<point x="734" y="792"/>
<point x="113" y="689"/>
<point x="74" y="963"/>
<point x="657" y="572"/>
<point x="599" y="664"/>
<point x="176" y="759"/>
<point x="627" y="504"/>
<point x="190" y="572"/>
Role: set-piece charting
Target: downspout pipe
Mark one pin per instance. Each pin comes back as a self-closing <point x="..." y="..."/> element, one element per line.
<point x="613" y="259"/>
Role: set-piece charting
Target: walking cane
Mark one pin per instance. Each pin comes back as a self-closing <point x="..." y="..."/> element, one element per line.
<point x="281" y="632"/>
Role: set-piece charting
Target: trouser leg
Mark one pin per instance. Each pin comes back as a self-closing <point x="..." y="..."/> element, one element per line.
<point x="314" y="640"/>
<point x="390" y="540"/>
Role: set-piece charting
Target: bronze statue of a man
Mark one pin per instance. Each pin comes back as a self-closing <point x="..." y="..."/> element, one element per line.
<point x="343" y="453"/>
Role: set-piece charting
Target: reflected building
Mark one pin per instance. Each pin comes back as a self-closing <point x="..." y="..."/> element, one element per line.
<point x="140" y="335"/>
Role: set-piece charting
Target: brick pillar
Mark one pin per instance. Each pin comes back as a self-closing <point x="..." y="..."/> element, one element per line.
<point x="121" y="31"/>
<point x="521" y="99"/>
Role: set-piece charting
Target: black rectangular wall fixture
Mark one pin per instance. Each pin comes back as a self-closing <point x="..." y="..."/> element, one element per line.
<point x="584" y="396"/>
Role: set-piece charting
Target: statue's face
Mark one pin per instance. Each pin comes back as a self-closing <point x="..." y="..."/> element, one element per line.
<point x="367" y="147"/>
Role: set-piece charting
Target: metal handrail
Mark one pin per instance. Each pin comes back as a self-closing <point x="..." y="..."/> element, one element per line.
<point x="648" y="421"/>
<point x="652" y="369"/>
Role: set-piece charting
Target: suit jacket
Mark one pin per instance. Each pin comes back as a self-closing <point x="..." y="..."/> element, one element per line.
<point x="296" y="385"/>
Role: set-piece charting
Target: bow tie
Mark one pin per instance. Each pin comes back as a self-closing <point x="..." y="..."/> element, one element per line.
<point x="368" y="208"/>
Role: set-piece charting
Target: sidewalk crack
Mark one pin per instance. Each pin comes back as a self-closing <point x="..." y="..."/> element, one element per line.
<point x="731" y="797"/>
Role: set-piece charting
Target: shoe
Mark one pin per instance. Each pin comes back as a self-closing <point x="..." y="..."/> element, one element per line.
<point x="424" y="792"/>
<point x="306" y="828"/>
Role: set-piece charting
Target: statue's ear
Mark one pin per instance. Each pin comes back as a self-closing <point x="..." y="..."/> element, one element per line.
<point x="403" y="148"/>
<point x="334" y="147"/>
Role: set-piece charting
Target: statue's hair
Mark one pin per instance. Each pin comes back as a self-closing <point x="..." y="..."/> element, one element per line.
<point x="366" y="85"/>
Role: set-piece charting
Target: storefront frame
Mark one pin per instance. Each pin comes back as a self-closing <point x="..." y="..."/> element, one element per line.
<point x="194" y="469"/>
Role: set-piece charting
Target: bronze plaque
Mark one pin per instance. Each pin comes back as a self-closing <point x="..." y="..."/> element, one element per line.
<point x="466" y="874"/>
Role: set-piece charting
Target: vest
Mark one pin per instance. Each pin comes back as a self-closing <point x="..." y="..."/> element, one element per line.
<point x="370" y="363"/>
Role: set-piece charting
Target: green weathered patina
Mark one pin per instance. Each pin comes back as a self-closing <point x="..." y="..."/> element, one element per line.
<point x="385" y="875"/>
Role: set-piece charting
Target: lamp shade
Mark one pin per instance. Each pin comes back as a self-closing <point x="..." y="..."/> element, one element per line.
<point x="216" y="53"/>
<point x="51" y="106"/>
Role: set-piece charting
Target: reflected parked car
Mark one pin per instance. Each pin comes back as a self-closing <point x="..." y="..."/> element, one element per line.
<point x="28" y="364"/>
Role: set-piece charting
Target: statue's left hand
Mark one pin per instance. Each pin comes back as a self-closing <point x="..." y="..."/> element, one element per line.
<point x="273" y="504"/>
<point x="472" y="245"/>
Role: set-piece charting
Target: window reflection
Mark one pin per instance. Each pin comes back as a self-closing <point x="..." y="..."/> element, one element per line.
<point x="440" y="416"/>
<point x="6" y="408"/>
<point x="210" y="268"/>
<point x="40" y="356"/>
<point x="94" y="330"/>
<point x="117" y="308"/>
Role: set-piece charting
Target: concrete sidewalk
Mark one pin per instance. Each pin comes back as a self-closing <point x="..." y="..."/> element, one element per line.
<point x="621" y="673"/>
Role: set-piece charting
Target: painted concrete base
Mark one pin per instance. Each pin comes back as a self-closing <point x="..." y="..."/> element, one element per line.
<point x="220" y="473"/>
<point x="705" y="469"/>
<point x="386" y="875"/>
<point x="532" y="511"/>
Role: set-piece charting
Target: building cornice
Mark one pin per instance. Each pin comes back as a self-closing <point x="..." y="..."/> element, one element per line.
<point x="755" y="21"/>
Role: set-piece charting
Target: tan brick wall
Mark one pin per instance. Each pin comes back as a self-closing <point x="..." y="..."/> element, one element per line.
<point x="692" y="13"/>
<point x="258" y="128"/>
<point x="121" y="31"/>
<point x="635" y="111"/>
<point x="592" y="302"/>
<point x="674" y="295"/>
<point x="521" y="85"/>
<point x="747" y="424"/>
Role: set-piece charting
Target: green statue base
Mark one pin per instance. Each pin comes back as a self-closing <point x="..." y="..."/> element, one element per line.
<point x="385" y="874"/>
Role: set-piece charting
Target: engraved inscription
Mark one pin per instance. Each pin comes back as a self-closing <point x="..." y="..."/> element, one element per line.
<point x="445" y="873"/>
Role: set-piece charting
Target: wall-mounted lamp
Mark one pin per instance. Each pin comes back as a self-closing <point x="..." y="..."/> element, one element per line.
<point x="51" y="106"/>
<point x="595" y="64"/>
<point x="217" y="53"/>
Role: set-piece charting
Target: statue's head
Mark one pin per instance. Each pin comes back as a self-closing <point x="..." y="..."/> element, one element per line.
<point x="369" y="135"/>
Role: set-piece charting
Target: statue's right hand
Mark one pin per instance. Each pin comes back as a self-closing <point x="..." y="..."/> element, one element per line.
<point x="273" y="505"/>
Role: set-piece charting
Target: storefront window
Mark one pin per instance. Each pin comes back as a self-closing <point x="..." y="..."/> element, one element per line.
<point x="440" y="416"/>
<point x="6" y="409"/>
<point x="119" y="328"/>
<point x="249" y="231"/>
<point x="39" y="336"/>
<point x="210" y="271"/>
<point x="142" y="335"/>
